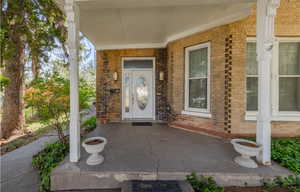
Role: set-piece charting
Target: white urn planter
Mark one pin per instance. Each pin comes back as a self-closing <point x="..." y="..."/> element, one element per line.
<point x="247" y="149"/>
<point x="94" y="145"/>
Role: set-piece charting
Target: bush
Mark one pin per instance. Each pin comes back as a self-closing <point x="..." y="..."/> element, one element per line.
<point x="203" y="184"/>
<point x="89" y="124"/>
<point x="50" y="97"/>
<point x="286" y="151"/>
<point x="47" y="159"/>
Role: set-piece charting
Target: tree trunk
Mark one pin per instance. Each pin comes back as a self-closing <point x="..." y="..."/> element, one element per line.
<point x="12" y="111"/>
<point x="35" y="67"/>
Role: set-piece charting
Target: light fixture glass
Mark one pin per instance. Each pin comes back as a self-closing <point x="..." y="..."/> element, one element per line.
<point x="115" y="76"/>
<point x="161" y="75"/>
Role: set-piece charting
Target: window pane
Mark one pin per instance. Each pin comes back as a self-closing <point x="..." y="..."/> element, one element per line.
<point x="289" y="94"/>
<point x="142" y="92"/>
<point x="251" y="59"/>
<point x="127" y="92"/>
<point x="289" y="58"/>
<point x="137" y="64"/>
<point x="198" y="63"/>
<point x="252" y="90"/>
<point x="198" y="93"/>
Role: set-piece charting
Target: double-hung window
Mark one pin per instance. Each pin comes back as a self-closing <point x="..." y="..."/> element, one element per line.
<point x="289" y="77"/>
<point x="285" y="77"/>
<point x="252" y="77"/>
<point x="197" y="80"/>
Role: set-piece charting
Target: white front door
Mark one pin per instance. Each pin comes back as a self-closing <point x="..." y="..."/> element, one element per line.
<point x="138" y="94"/>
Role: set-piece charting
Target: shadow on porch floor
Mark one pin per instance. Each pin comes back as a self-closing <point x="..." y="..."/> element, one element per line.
<point x="158" y="152"/>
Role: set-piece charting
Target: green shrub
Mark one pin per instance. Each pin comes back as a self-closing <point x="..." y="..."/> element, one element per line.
<point x="203" y="184"/>
<point x="47" y="159"/>
<point x="50" y="98"/>
<point x="291" y="182"/>
<point x="286" y="151"/>
<point x="89" y="124"/>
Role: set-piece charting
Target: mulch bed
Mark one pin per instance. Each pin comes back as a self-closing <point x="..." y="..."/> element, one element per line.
<point x="227" y="189"/>
<point x="15" y="142"/>
<point x="256" y="189"/>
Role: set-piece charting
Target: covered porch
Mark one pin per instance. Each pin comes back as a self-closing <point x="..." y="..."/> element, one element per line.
<point x="158" y="152"/>
<point x="148" y="24"/>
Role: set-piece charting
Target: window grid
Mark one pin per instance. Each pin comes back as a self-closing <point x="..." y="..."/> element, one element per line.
<point x="275" y="76"/>
<point x="199" y="77"/>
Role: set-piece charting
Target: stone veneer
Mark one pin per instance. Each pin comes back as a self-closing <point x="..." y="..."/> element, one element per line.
<point x="228" y="60"/>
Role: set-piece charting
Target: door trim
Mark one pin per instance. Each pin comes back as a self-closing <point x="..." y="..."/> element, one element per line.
<point x="153" y="83"/>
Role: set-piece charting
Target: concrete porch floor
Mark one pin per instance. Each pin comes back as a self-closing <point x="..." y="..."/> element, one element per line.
<point x="158" y="152"/>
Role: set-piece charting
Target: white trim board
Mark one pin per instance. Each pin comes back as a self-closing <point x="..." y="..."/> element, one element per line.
<point x="132" y="46"/>
<point x="188" y="110"/>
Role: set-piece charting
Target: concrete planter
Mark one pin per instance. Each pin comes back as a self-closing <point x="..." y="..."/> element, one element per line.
<point x="94" y="145"/>
<point x="244" y="147"/>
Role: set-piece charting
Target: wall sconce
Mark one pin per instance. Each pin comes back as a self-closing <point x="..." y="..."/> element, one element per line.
<point x="115" y="76"/>
<point x="161" y="75"/>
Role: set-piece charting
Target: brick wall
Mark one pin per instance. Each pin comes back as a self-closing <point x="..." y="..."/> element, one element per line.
<point x="287" y="24"/>
<point x="110" y="61"/>
<point x="228" y="70"/>
<point x="228" y="56"/>
<point x="216" y="37"/>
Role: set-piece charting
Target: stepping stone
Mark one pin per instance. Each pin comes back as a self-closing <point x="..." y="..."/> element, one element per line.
<point x="156" y="186"/>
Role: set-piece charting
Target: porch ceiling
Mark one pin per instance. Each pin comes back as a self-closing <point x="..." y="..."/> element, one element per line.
<point x="153" y="23"/>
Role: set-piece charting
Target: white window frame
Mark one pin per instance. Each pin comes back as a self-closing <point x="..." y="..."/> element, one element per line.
<point x="276" y="114"/>
<point x="249" y="112"/>
<point x="190" y="110"/>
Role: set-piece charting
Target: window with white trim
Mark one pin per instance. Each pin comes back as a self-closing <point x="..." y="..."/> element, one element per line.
<point x="252" y="77"/>
<point x="285" y="85"/>
<point x="197" y="78"/>
<point x="289" y="76"/>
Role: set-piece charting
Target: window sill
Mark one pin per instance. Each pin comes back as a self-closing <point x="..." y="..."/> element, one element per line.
<point x="251" y="116"/>
<point x="196" y="114"/>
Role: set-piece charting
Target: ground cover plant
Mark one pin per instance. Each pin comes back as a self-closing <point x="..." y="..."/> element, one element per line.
<point x="47" y="159"/>
<point x="89" y="124"/>
<point x="286" y="152"/>
<point x="203" y="184"/>
<point x="280" y="184"/>
<point x="291" y="183"/>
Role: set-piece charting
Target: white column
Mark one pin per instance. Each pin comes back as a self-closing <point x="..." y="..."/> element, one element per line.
<point x="266" y="12"/>
<point x="73" y="47"/>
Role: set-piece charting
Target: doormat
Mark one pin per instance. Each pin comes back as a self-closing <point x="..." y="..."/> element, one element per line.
<point x="155" y="186"/>
<point x="141" y="124"/>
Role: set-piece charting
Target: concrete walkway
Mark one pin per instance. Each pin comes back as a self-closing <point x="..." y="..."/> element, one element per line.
<point x="158" y="152"/>
<point x="17" y="173"/>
